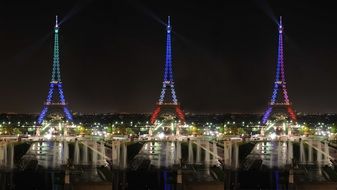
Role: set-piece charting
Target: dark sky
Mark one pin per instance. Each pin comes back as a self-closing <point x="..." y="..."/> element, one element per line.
<point x="113" y="54"/>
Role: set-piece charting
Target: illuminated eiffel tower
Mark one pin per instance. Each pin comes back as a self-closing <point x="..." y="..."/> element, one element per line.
<point x="168" y="102"/>
<point x="279" y="101"/>
<point x="55" y="103"/>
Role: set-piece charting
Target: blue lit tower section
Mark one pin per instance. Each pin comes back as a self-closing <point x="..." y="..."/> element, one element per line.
<point x="168" y="96"/>
<point x="55" y="98"/>
<point x="168" y="75"/>
<point x="277" y="100"/>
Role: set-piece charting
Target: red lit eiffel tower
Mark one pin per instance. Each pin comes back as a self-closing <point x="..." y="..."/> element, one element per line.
<point x="278" y="102"/>
<point x="168" y="103"/>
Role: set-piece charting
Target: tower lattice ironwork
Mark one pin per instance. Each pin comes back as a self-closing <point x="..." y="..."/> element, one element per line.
<point x="54" y="102"/>
<point x="168" y="99"/>
<point x="279" y="102"/>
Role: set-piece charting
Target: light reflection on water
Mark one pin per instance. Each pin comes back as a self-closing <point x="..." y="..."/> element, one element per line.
<point x="272" y="153"/>
<point x="48" y="153"/>
<point x="160" y="153"/>
<point x="54" y="154"/>
<point x="279" y="154"/>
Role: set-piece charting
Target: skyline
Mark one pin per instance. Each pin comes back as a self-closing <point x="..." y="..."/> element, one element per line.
<point x="124" y="71"/>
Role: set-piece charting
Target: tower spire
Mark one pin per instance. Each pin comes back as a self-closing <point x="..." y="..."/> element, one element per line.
<point x="56" y="74"/>
<point x="56" y="22"/>
<point x="55" y="83"/>
<point x="280" y="83"/>
<point x="168" y="24"/>
<point x="166" y="99"/>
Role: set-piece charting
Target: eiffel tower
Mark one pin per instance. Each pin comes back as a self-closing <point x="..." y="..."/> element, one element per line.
<point x="168" y="102"/>
<point x="279" y="103"/>
<point x="55" y="103"/>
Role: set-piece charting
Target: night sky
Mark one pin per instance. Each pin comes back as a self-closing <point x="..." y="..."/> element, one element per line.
<point x="113" y="54"/>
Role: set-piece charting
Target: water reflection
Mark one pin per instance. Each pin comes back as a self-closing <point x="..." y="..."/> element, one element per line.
<point x="307" y="156"/>
<point x="272" y="153"/>
<point x="54" y="154"/>
<point x="49" y="154"/>
<point x="160" y="153"/>
<point x="6" y="155"/>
